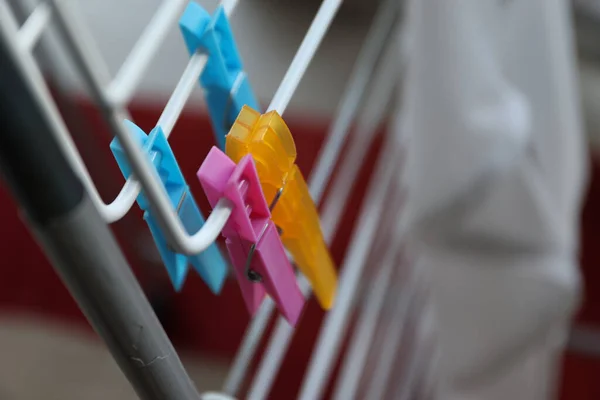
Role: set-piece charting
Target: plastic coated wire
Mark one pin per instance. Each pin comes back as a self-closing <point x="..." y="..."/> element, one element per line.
<point x="364" y="332"/>
<point x="363" y="335"/>
<point x="393" y="338"/>
<point x="389" y="243"/>
<point x="383" y="86"/>
<point x="385" y="77"/>
<point x="351" y="100"/>
<point x="352" y="97"/>
<point x="419" y="314"/>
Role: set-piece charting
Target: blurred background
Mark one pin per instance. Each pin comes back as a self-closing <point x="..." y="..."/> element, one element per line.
<point x="48" y="349"/>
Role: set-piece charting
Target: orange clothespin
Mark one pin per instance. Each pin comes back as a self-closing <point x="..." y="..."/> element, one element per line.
<point x="267" y="138"/>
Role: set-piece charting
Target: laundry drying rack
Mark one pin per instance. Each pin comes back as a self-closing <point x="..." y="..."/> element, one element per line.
<point x="69" y="218"/>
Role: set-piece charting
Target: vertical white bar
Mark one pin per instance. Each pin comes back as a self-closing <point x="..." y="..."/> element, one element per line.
<point x="419" y="363"/>
<point x="382" y="88"/>
<point x="389" y="242"/>
<point x="352" y="98"/>
<point x="336" y="321"/>
<point x="392" y="340"/>
<point x="363" y="335"/>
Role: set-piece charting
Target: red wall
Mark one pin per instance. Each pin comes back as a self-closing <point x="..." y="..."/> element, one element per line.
<point x="194" y="318"/>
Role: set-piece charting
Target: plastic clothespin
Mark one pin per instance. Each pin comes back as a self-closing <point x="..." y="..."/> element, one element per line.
<point x="269" y="141"/>
<point x="226" y="86"/>
<point x="252" y="239"/>
<point x="210" y="264"/>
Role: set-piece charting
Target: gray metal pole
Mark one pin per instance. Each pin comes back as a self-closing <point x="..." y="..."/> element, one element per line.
<point x="80" y="245"/>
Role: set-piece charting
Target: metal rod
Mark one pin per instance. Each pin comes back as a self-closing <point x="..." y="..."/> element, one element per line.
<point x="80" y="244"/>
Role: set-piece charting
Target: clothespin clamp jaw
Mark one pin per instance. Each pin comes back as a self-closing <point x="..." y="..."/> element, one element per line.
<point x="210" y="264"/>
<point x="268" y="139"/>
<point x="253" y="241"/>
<point x="226" y="85"/>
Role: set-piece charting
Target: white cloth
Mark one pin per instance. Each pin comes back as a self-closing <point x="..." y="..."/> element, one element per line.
<point x="495" y="169"/>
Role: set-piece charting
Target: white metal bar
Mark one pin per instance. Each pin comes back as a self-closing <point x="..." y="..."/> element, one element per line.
<point x="418" y="357"/>
<point x="388" y="240"/>
<point x="382" y="89"/>
<point x="392" y="339"/>
<point x="336" y="321"/>
<point x="304" y="55"/>
<point x="182" y="92"/>
<point x="351" y="100"/>
<point x="32" y="29"/>
<point x="280" y="338"/>
<point x="361" y="340"/>
<point x="383" y="86"/>
<point x="123" y="86"/>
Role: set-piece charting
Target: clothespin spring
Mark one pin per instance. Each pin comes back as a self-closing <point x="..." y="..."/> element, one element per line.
<point x="251" y="274"/>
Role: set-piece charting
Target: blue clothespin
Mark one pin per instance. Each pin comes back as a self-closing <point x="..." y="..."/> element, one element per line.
<point x="226" y="86"/>
<point x="209" y="264"/>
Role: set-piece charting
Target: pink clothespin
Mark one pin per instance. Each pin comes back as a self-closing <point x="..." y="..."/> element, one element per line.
<point x="258" y="256"/>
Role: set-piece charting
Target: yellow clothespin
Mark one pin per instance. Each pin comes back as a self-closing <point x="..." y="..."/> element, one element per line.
<point x="268" y="139"/>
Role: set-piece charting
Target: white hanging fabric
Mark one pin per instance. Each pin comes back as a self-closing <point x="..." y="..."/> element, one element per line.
<point x="495" y="172"/>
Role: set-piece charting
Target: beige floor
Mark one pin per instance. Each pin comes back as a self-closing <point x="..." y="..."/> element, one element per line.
<point x="49" y="361"/>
